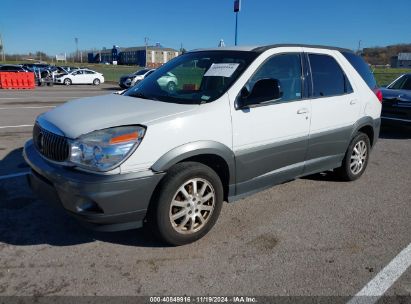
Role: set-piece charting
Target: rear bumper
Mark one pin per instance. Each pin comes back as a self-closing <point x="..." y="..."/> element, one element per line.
<point x="104" y="202"/>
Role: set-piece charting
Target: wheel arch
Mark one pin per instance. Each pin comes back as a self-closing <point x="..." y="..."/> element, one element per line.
<point x="213" y="154"/>
<point x="369" y="126"/>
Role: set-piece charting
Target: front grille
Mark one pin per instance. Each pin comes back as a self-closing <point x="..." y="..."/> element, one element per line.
<point x="50" y="145"/>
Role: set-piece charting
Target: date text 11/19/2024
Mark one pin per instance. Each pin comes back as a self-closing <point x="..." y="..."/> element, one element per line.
<point x="203" y="299"/>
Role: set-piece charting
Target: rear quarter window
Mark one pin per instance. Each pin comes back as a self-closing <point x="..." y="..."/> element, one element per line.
<point x="362" y="68"/>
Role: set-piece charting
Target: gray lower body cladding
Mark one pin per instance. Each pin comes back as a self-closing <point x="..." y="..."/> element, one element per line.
<point x="263" y="167"/>
<point x="105" y="202"/>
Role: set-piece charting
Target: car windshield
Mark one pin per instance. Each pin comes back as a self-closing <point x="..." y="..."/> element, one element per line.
<point x="194" y="78"/>
<point x="141" y="72"/>
<point x="397" y="84"/>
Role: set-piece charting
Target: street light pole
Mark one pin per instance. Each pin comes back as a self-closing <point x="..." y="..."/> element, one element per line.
<point x="237" y="8"/>
<point x="76" y="41"/>
<point x="236" y="25"/>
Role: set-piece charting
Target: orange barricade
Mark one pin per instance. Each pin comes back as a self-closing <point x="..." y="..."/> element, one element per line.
<point x="16" y="80"/>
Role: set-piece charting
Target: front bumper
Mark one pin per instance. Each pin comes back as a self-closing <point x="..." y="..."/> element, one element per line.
<point x="124" y="83"/>
<point x="104" y="202"/>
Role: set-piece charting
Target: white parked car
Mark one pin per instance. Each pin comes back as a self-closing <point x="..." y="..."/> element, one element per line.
<point x="241" y="120"/>
<point x="80" y="76"/>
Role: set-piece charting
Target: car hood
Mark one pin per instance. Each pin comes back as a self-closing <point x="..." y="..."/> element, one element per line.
<point x="401" y="95"/>
<point x="81" y="116"/>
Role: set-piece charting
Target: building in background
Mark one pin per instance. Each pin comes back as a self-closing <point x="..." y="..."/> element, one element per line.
<point x="150" y="56"/>
<point x="402" y="60"/>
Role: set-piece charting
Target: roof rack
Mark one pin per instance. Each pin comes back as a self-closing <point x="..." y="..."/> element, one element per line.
<point x="267" y="47"/>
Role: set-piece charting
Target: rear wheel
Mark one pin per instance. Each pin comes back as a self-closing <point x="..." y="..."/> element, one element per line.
<point x="67" y="81"/>
<point x="356" y="158"/>
<point x="188" y="204"/>
<point x="96" y="82"/>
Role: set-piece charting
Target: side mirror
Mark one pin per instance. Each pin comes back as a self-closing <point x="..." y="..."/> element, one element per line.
<point x="264" y="90"/>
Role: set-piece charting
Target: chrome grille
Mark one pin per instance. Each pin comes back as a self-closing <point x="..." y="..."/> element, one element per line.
<point x="50" y="145"/>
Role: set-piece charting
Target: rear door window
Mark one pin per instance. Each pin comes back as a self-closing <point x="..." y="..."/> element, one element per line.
<point x="327" y="76"/>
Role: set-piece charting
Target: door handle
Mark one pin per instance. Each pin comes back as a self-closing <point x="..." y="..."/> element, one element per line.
<point x="353" y="102"/>
<point x="302" y="111"/>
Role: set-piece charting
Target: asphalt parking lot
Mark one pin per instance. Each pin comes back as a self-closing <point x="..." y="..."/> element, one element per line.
<point x="314" y="236"/>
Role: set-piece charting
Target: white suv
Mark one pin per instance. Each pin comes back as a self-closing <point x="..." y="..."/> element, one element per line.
<point x="240" y="120"/>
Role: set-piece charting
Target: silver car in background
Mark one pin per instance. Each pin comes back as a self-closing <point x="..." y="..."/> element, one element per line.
<point x="131" y="79"/>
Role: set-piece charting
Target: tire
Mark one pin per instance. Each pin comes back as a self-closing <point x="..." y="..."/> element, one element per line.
<point x="67" y="81"/>
<point x="175" y="216"/>
<point x="171" y="86"/>
<point x="356" y="158"/>
<point x="96" y="82"/>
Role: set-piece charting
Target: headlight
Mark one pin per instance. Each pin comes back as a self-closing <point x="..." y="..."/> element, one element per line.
<point x="105" y="149"/>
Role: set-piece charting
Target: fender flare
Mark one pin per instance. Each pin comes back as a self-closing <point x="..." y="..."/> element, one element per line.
<point x="367" y="121"/>
<point x="196" y="148"/>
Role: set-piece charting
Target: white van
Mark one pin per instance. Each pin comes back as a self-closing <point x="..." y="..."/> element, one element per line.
<point x="240" y="120"/>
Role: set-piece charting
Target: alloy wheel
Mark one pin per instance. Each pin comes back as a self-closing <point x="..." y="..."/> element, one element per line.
<point x="192" y="206"/>
<point x="358" y="157"/>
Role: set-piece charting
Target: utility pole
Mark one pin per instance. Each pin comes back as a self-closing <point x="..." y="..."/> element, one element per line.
<point x="3" y="57"/>
<point x="237" y="8"/>
<point x="76" y="41"/>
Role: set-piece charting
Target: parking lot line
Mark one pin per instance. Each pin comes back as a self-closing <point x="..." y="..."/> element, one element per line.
<point x="14" y="175"/>
<point x="384" y="279"/>
<point x="42" y="97"/>
<point x="17" y="108"/>
<point x="18" y="126"/>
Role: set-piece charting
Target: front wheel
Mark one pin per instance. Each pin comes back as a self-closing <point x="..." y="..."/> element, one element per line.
<point x="96" y="82"/>
<point x="188" y="204"/>
<point x="356" y="158"/>
<point x="67" y="81"/>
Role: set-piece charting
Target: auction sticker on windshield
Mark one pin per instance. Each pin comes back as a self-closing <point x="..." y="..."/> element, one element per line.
<point x="222" y="69"/>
